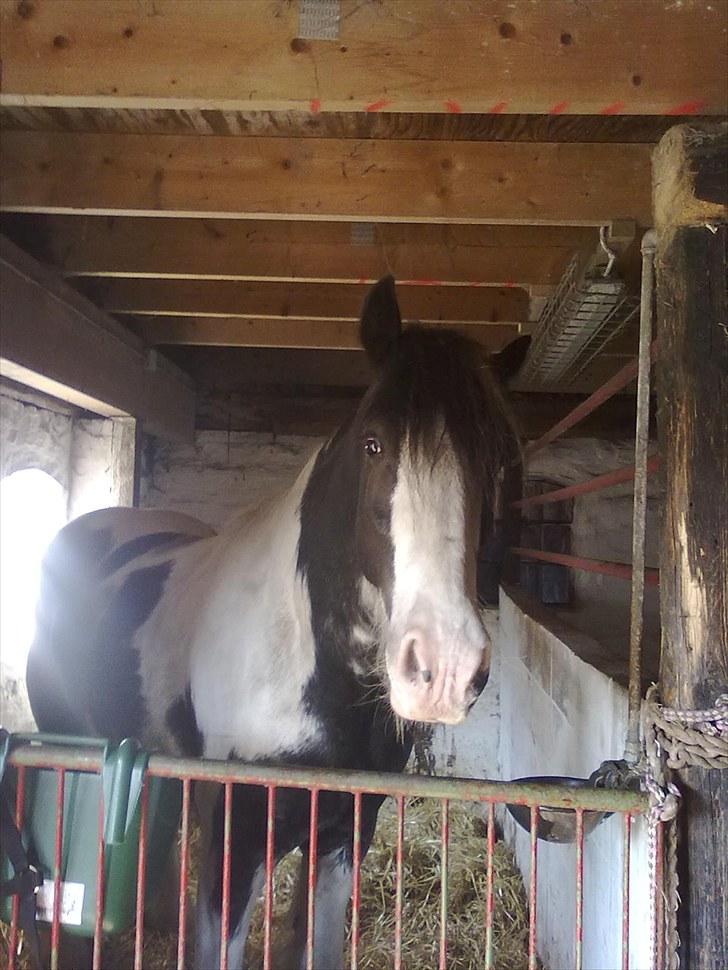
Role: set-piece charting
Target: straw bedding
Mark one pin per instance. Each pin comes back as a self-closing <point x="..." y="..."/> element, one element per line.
<point x="421" y="907"/>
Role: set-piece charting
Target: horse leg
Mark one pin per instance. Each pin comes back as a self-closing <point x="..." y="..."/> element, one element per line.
<point x="247" y="849"/>
<point x="334" y="866"/>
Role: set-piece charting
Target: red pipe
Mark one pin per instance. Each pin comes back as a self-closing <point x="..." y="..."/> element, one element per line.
<point x="356" y="887"/>
<point x="625" y="891"/>
<point x="269" y="866"/>
<point x="398" y="889"/>
<point x="183" y="875"/>
<point x="615" y="384"/>
<point x="489" y="901"/>
<point x="57" y="864"/>
<point x="19" y="809"/>
<point x="141" y="876"/>
<point x="620" y="570"/>
<point x="312" y="852"/>
<point x="99" y="923"/>
<point x="226" y="844"/>
<point x="596" y="484"/>
<point x="444" y="858"/>
<point x="579" y="919"/>
<point x="533" y="891"/>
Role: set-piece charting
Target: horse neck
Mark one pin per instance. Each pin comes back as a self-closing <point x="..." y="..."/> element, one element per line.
<point x="327" y="556"/>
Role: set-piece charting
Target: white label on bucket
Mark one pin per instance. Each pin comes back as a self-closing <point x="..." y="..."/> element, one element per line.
<point x="71" y="902"/>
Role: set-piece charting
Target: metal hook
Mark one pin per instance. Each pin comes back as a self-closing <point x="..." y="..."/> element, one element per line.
<point x="611" y="255"/>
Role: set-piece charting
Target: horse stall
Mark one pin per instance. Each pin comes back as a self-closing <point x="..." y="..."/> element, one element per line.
<point x="250" y="726"/>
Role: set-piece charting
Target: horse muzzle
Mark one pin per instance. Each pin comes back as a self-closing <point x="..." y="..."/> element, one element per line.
<point x="437" y="683"/>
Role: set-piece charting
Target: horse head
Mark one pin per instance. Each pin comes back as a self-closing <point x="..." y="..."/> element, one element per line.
<point x="432" y="436"/>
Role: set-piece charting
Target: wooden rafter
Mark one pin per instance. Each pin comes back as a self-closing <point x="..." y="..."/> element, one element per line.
<point x="291" y="333"/>
<point x="322" y="301"/>
<point x="310" y="179"/>
<point x="227" y="249"/>
<point x="557" y="57"/>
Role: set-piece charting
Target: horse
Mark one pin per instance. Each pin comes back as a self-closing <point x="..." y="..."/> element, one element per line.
<point x="313" y="631"/>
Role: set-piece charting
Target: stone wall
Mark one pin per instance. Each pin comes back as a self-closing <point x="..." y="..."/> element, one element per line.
<point x="221" y="473"/>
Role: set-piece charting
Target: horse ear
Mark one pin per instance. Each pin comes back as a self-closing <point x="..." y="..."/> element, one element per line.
<point x="381" y="323"/>
<point x="507" y="362"/>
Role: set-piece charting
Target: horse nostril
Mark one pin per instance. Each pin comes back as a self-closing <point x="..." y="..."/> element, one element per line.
<point x="427" y="676"/>
<point x="478" y="682"/>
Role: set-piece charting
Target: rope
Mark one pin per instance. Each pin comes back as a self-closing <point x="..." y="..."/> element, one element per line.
<point x="674" y="739"/>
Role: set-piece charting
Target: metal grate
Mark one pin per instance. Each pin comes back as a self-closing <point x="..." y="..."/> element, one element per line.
<point x="319" y="19"/>
<point x="582" y="316"/>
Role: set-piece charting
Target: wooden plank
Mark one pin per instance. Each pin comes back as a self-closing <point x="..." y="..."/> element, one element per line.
<point x="309" y="334"/>
<point x="226" y="249"/>
<point x="404" y="181"/>
<point x="314" y="301"/>
<point x="417" y="56"/>
<point x="349" y="124"/>
<point x="692" y="363"/>
<point x="56" y="341"/>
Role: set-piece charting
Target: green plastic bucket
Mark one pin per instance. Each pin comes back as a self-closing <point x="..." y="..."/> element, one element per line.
<point x="122" y="778"/>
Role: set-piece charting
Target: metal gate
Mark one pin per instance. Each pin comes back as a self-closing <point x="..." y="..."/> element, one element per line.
<point x="487" y="794"/>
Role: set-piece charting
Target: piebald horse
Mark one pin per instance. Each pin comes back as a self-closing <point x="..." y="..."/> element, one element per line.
<point x="297" y="633"/>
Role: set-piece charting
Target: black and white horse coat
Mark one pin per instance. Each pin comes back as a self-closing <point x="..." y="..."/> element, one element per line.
<point x="293" y="635"/>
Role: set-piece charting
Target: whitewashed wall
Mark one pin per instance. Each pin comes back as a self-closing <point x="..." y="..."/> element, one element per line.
<point x="221" y="473"/>
<point x="561" y="716"/>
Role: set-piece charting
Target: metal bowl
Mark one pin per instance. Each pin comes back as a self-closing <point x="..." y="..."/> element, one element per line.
<point x="556" y="824"/>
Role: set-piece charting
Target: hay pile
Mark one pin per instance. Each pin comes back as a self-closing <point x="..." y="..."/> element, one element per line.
<point x="421" y="907"/>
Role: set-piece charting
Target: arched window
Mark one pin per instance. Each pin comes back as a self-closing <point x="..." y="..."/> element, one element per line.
<point x="32" y="510"/>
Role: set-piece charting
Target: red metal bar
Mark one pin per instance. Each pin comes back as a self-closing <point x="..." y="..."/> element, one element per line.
<point x="579" y="921"/>
<point x="620" y="570"/>
<point x="99" y="923"/>
<point x="225" y="909"/>
<point x="596" y="484"/>
<point x="184" y="854"/>
<point x="57" y="864"/>
<point x="399" y="870"/>
<point x="625" y="890"/>
<point x="615" y="384"/>
<point x="270" y="822"/>
<point x="659" y="914"/>
<point x="444" y="853"/>
<point x="356" y="882"/>
<point x="141" y="879"/>
<point x="489" y="900"/>
<point x="311" y="902"/>
<point x="19" y="809"/>
<point x="532" y="891"/>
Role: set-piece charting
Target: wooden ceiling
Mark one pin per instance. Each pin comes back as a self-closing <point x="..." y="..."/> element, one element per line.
<point x="215" y="176"/>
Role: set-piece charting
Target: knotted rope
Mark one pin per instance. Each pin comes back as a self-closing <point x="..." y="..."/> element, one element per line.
<point x="675" y="739"/>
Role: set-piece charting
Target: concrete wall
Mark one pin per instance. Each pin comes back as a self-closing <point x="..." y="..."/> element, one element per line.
<point x="560" y="716"/>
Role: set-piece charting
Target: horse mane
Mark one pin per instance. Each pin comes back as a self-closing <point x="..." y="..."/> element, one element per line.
<point x="435" y="375"/>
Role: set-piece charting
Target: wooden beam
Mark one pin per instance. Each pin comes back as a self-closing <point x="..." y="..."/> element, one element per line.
<point x="56" y="341"/>
<point x="692" y="364"/>
<point x="308" y="334"/>
<point x="432" y="57"/>
<point x="314" y="301"/>
<point x="323" y="178"/>
<point x="228" y="249"/>
<point x="293" y="409"/>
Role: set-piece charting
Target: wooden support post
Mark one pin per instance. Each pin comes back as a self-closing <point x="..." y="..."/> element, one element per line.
<point x="690" y="195"/>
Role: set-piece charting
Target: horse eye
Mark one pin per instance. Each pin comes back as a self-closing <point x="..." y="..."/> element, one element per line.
<point x="372" y="447"/>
